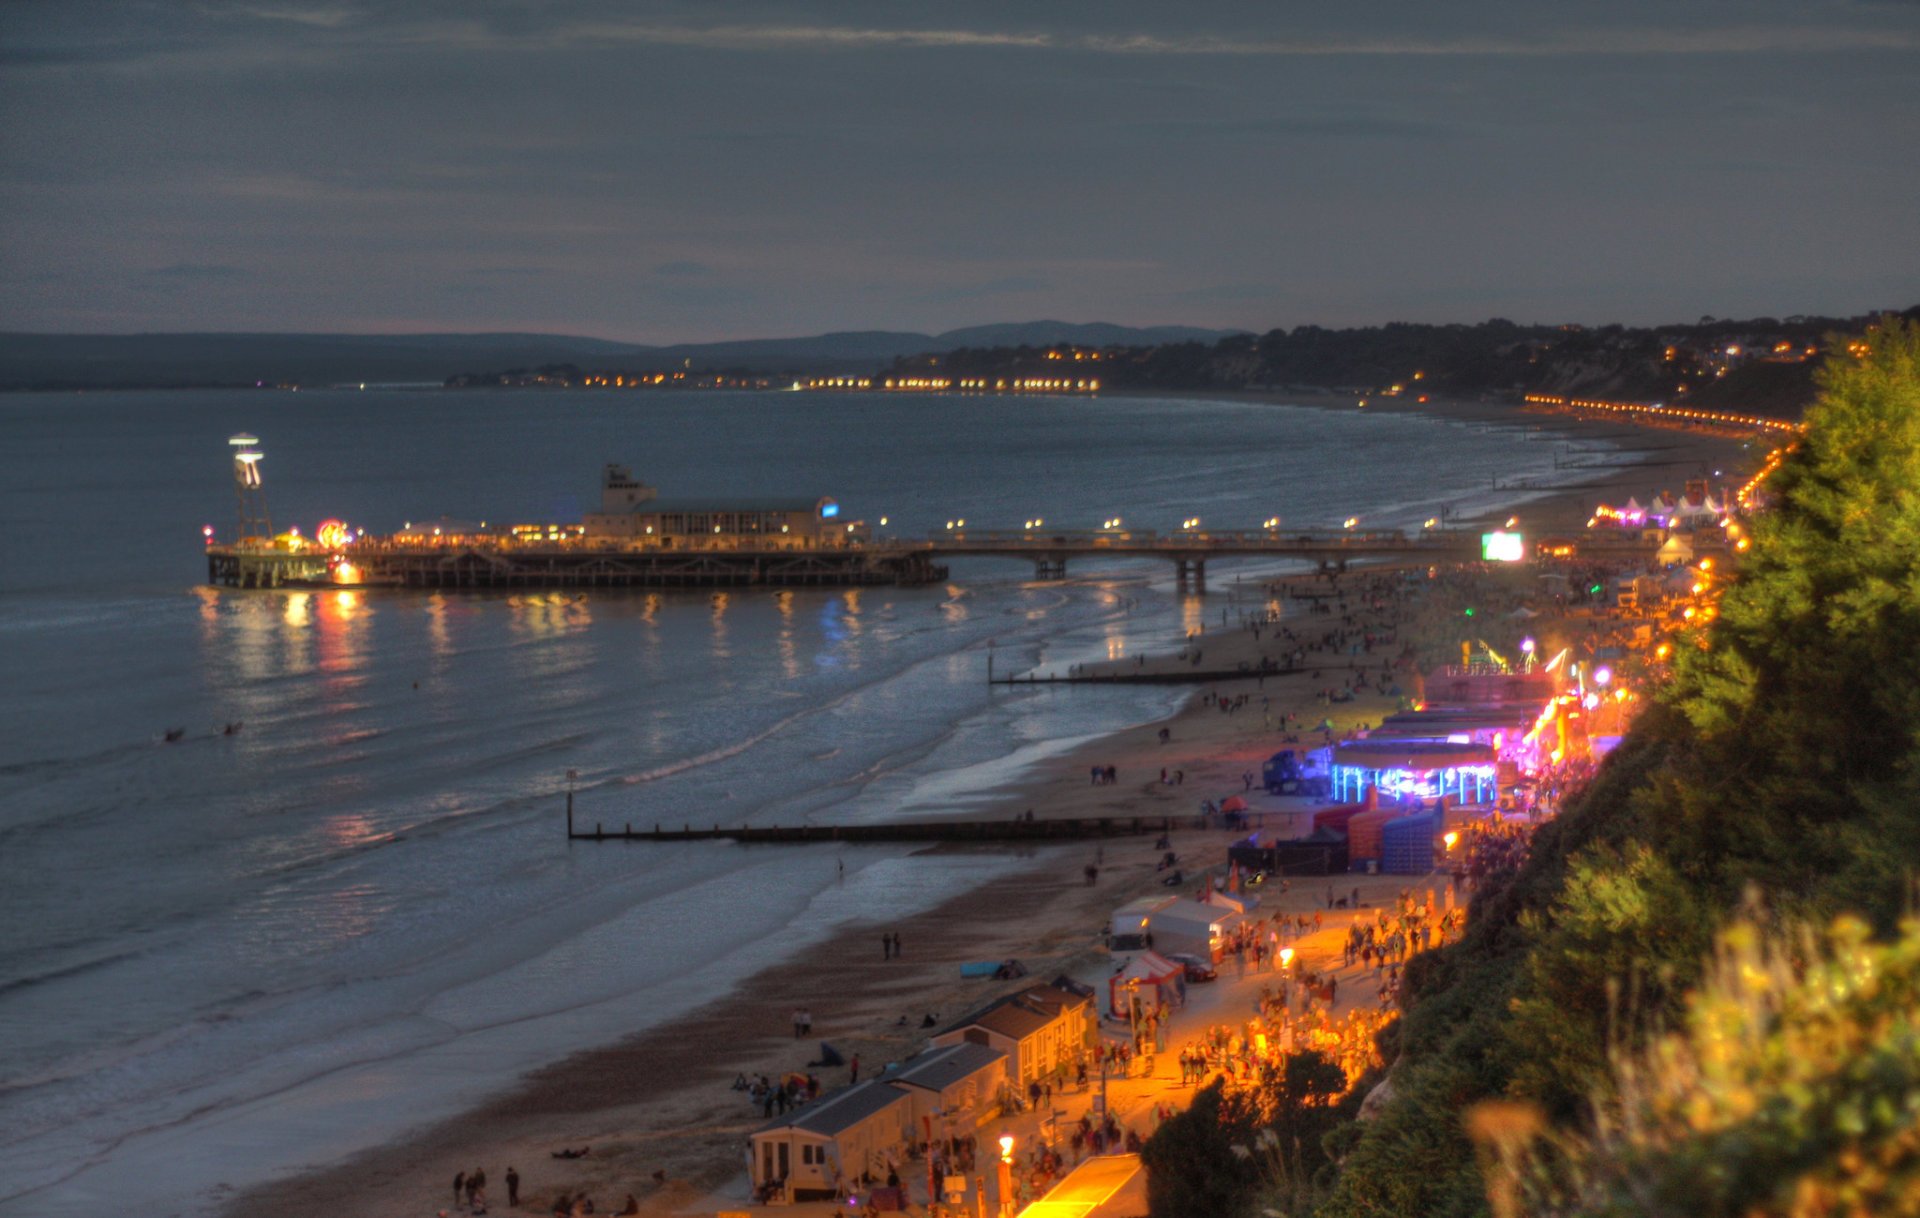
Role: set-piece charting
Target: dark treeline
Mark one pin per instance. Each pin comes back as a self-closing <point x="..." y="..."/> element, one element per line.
<point x="1762" y="365"/>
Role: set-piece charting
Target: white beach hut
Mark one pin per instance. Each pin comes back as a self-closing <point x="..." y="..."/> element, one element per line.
<point x="822" y="1147"/>
<point x="951" y="1085"/>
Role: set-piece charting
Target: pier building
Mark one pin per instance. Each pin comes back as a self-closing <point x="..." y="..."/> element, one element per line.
<point x="631" y="512"/>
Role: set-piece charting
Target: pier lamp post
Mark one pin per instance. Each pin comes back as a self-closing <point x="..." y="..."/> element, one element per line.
<point x="1006" y="1174"/>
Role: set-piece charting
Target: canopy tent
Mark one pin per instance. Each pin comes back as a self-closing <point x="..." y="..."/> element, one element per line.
<point x="1675" y="549"/>
<point x="1196" y="927"/>
<point x="1149" y="978"/>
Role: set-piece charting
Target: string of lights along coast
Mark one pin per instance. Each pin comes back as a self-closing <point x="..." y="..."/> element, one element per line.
<point x="640" y="540"/>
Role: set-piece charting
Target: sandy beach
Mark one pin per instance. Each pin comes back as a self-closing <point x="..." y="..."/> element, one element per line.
<point x="661" y="1102"/>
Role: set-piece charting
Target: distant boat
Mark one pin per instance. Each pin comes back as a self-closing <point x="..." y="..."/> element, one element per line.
<point x="175" y="733"/>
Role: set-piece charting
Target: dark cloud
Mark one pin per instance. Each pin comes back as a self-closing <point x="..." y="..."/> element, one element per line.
<point x="681" y="169"/>
<point x="1006" y="285"/>
<point x="197" y="271"/>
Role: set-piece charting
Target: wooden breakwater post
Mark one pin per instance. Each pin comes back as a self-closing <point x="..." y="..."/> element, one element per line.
<point x="1047" y="830"/>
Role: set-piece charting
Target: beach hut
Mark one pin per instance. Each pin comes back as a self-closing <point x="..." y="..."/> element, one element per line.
<point x="1041" y="1029"/>
<point x="820" y="1148"/>
<point x="1406" y="846"/>
<point x="952" y="1085"/>
<point x="1149" y="979"/>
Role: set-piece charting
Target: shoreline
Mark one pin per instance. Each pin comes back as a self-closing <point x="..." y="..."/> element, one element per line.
<point x="659" y="1100"/>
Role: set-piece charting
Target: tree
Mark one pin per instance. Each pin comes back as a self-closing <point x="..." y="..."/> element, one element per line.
<point x="1193" y="1170"/>
<point x="1789" y="1092"/>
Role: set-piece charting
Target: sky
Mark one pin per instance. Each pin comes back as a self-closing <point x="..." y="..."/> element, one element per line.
<point x="680" y="172"/>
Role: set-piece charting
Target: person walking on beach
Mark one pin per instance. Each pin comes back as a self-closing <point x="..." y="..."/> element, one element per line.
<point x="459" y="1186"/>
<point x="853" y="1070"/>
<point x="513" y="1186"/>
<point x="799" y="1022"/>
<point x="886" y="946"/>
<point x="896" y="945"/>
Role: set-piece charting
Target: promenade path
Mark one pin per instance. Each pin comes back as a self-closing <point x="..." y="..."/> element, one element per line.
<point x="1133" y="1100"/>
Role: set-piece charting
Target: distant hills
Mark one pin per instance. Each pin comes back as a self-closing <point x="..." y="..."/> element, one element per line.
<point x="129" y="361"/>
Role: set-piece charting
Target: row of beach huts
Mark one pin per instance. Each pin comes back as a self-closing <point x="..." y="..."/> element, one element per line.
<point x="858" y="1134"/>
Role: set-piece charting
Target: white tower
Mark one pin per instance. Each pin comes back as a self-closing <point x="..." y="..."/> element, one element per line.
<point x="252" y="497"/>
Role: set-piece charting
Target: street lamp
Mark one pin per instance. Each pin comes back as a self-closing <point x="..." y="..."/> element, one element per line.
<point x="1006" y="1173"/>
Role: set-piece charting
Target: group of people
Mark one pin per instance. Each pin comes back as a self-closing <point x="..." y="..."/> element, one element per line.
<point x="1389" y="939"/>
<point x="1300" y="1010"/>
<point x="790" y="1092"/>
<point x="470" y="1190"/>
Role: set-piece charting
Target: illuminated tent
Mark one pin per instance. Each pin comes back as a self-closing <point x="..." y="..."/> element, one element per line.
<point x="1149" y="978"/>
<point x="1422" y="768"/>
<point x="1675" y="549"/>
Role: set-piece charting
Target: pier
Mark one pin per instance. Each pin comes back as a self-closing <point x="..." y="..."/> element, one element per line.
<point x="638" y="540"/>
<point x="514" y="565"/>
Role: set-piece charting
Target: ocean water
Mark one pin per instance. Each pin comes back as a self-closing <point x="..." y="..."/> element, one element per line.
<point x="230" y="957"/>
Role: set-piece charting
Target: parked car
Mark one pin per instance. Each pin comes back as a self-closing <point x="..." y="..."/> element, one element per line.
<point x="1196" y="968"/>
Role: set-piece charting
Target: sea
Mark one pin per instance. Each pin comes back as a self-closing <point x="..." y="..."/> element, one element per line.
<point x="227" y="958"/>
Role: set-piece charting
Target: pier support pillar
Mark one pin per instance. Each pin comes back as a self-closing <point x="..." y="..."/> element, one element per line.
<point x="1190" y="572"/>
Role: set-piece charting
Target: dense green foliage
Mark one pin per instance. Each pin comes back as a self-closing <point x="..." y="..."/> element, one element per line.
<point x="1792" y="1089"/>
<point x="1233" y="1145"/>
<point x="1785" y="757"/>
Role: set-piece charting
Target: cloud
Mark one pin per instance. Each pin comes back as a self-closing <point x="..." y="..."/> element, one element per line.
<point x="1345" y="126"/>
<point x="202" y="271"/>
<point x="1755" y="39"/>
<point x="1008" y="285"/>
<point x="782" y="37"/>
<point x="1228" y="292"/>
<point x="1718" y="41"/>
<point x="326" y="18"/>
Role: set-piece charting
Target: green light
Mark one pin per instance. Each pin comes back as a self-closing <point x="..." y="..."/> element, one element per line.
<point x="1469" y="613"/>
<point x="1595" y="590"/>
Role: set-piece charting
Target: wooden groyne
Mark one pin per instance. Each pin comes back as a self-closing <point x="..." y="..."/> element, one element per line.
<point x="1059" y="829"/>
<point x="1196" y="676"/>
